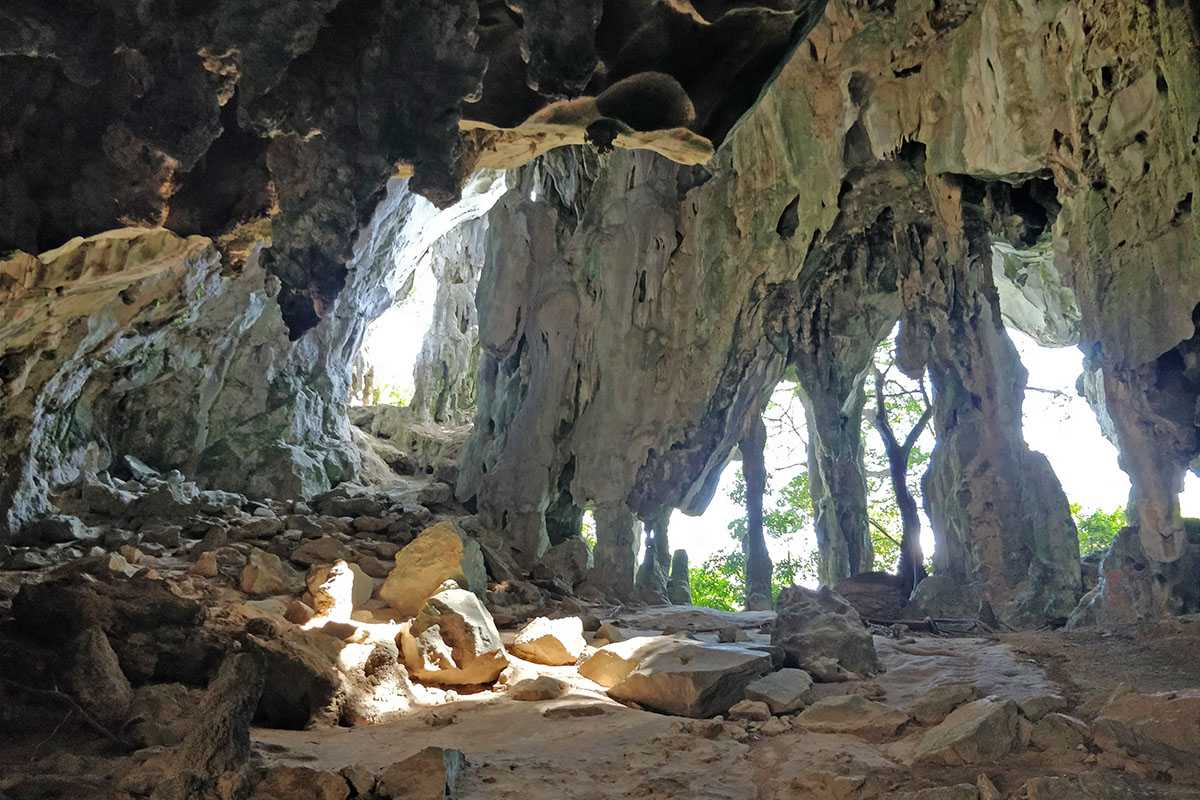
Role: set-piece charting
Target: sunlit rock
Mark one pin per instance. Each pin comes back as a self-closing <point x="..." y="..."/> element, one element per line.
<point x="440" y="553"/>
<point x="453" y="641"/>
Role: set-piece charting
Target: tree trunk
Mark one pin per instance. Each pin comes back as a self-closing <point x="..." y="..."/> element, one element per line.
<point x="911" y="568"/>
<point x="758" y="560"/>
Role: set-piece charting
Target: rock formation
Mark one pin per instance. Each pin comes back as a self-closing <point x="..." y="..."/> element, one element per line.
<point x="641" y="215"/>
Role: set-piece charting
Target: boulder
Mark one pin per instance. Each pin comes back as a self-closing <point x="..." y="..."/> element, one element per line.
<point x="95" y="679"/>
<point x="678" y="676"/>
<point x="854" y="715"/>
<point x="1039" y="705"/>
<point x="322" y="550"/>
<point x="338" y="589"/>
<point x="303" y="685"/>
<point x="439" y="554"/>
<point x="59" y="529"/>
<point x="554" y="642"/>
<point x="610" y="665"/>
<point x="266" y="574"/>
<point x="1162" y="727"/>
<point x="932" y="707"/>
<point x="609" y="633"/>
<point x="453" y="640"/>
<point x="377" y="685"/>
<point x="161" y="714"/>
<point x="784" y="692"/>
<point x="568" y="561"/>
<point x="298" y="612"/>
<point x="255" y="528"/>
<point x="205" y="565"/>
<point x="301" y="783"/>
<point x="943" y="596"/>
<point x="730" y="634"/>
<point x="815" y="625"/>
<point x="1059" y="733"/>
<point x="362" y="780"/>
<point x="166" y="535"/>
<point x="976" y="733"/>
<point x="431" y="774"/>
<point x="219" y="739"/>
<point x="874" y="595"/>
<point x="543" y="687"/>
<point x="749" y="711"/>
<point x="155" y="633"/>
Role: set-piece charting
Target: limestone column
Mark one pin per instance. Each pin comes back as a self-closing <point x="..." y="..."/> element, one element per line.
<point x="618" y="539"/>
<point x="843" y="308"/>
<point x="1154" y="420"/>
<point x="653" y="574"/>
<point x="758" y="561"/>
<point x="835" y="476"/>
<point x="679" y="588"/>
<point x="1002" y="526"/>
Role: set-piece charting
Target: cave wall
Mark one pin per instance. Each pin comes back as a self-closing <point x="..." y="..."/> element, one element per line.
<point x="144" y="343"/>
<point x="445" y="370"/>
<point x="605" y="339"/>
<point x="1003" y="96"/>
<point x="274" y="132"/>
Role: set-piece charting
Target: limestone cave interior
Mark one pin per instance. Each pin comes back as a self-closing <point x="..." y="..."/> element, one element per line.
<point x="352" y="351"/>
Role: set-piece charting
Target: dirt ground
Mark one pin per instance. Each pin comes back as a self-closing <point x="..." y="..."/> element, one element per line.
<point x="1091" y="664"/>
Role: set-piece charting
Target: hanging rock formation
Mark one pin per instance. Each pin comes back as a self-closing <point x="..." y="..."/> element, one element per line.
<point x="302" y="111"/>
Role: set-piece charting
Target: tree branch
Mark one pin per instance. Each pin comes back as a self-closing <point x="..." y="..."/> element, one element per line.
<point x="883" y="532"/>
<point x="917" y="430"/>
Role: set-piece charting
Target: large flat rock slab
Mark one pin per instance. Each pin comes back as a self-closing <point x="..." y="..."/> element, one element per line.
<point x="913" y="668"/>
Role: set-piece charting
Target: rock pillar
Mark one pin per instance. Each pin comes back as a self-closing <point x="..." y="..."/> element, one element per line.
<point x="1000" y="519"/>
<point x="618" y="539"/>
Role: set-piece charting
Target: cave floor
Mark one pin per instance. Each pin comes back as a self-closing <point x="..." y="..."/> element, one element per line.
<point x="586" y="746"/>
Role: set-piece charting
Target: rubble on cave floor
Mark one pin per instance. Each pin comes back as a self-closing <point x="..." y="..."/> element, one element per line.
<point x="376" y="642"/>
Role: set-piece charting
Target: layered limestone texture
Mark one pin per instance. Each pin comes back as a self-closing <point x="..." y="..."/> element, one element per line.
<point x="607" y="364"/>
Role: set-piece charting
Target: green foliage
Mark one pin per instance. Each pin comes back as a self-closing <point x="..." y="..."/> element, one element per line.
<point x="389" y="394"/>
<point x="791" y="513"/>
<point x="1098" y="528"/>
<point x="717" y="583"/>
<point x="587" y="530"/>
<point x="720" y="582"/>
